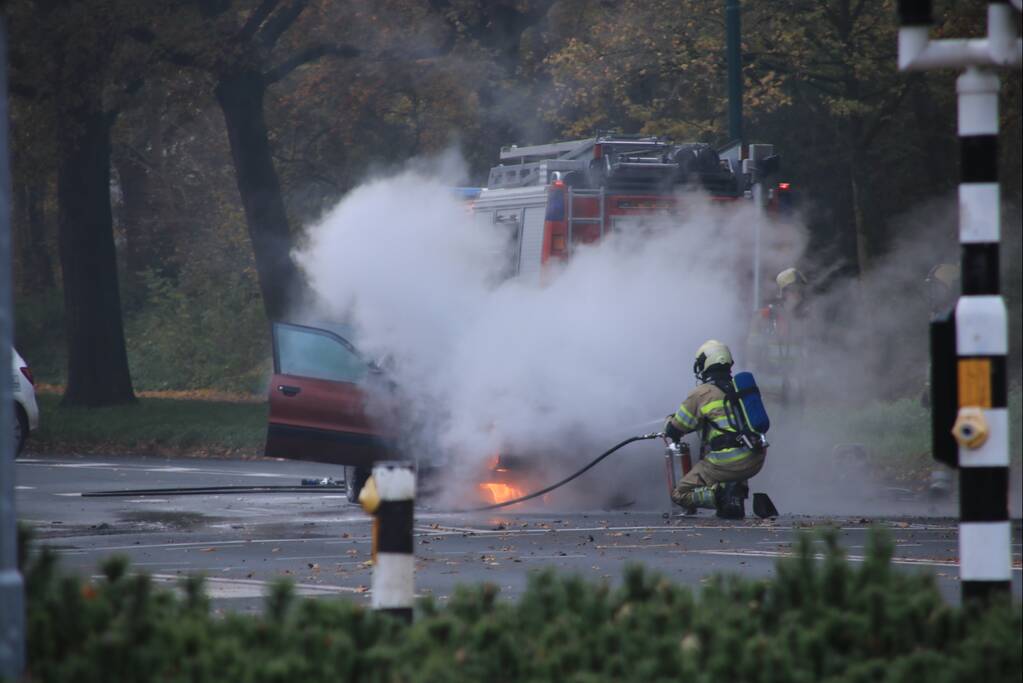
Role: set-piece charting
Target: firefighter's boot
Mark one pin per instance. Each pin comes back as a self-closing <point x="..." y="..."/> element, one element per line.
<point x="730" y="499"/>
<point x="703" y="497"/>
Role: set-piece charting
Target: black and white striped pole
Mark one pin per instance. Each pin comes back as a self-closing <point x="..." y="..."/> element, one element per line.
<point x="969" y="393"/>
<point x="389" y="495"/>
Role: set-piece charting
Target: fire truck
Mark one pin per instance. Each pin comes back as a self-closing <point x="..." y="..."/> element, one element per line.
<point x="549" y="199"/>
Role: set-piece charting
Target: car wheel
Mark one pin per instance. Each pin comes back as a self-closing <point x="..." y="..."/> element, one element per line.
<point x="355" y="479"/>
<point x="20" y="429"/>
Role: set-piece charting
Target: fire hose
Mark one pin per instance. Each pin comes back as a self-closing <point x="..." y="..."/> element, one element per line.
<point x="207" y="490"/>
<point x="575" y="475"/>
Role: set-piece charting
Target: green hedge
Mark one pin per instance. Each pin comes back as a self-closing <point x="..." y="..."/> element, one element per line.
<point x="816" y="620"/>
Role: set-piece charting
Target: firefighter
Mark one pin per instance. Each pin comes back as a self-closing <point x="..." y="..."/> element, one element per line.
<point x="718" y="479"/>
<point x="776" y="345"/>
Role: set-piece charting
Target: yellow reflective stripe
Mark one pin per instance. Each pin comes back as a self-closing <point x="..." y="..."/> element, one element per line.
<point x="688" y="420"/>
<point x="712" y="406"/>
<point x="729" y="455"/>
<point x="720" y="426"/>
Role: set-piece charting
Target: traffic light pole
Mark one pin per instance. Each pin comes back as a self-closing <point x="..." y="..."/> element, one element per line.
<point x="733" y="35"/>
<point x="975" y="388"/>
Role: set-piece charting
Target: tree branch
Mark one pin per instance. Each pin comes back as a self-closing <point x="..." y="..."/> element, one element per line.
<point x="281" y="22"/>
<point x="887" y="111"/>
<point x="307" y="55"/>
<point x="147" y="37"/>
<point x="256" y="19"/>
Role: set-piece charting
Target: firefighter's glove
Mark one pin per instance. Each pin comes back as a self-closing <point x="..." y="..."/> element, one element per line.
<point x="671" y="432"/>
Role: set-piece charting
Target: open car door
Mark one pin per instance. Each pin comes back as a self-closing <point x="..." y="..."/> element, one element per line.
<point x="318" y="400"/>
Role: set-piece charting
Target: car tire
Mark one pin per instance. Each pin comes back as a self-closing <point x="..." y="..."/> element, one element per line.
<point x="355" y="479"/>
<point x="20" y="429"/>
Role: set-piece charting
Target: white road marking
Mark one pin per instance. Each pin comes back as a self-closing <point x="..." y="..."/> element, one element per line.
<point x="441" y="529"/>
<point x="633" y="547"/>
<point x="345" y="558"/>
<point x="79" y="493"/>
<point x="820" y="556"/>
<point x="83" y="465"/>
<point x="221" y="588"/>
<point x="24" y="488"/>
<point x="171" y="469"/>
<point x="177" y="546"/>
<point x="147" y="500"/>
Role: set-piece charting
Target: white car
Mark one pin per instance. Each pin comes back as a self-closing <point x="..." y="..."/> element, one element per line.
<point x="26" y="412"/>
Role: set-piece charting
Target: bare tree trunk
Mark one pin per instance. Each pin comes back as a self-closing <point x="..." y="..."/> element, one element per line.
<point x="97" y="359"/>
<point x="241" y="99"/>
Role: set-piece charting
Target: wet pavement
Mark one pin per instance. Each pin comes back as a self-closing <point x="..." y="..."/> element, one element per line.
<point x="240" y="542"/>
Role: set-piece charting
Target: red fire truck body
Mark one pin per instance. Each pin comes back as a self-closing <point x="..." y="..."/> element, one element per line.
<point x="555" y="197"/>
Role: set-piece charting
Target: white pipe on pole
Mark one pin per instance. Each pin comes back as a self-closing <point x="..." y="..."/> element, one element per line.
<point x="1001" y="47"/>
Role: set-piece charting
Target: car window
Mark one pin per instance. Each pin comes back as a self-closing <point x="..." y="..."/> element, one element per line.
<point x="308" y="353"/>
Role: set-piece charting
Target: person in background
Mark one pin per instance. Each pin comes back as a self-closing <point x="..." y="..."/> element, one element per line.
<point x="776" y="347"/>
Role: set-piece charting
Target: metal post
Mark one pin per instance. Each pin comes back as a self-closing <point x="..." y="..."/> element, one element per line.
<point x="12" y="588"/>
<point x="981" y="426"/>
<point x="985" y="537"/>
<point x="733" y="33"/>
<point x="759" y="173"/>
<point x="758" y="200"/>
<point x="389" y="495"/>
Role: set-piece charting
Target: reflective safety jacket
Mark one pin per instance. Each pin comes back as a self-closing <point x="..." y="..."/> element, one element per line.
<point x="705" y="409"/>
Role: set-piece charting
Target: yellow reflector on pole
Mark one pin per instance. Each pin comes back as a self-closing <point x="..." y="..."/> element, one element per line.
<point x="975" y="382"/>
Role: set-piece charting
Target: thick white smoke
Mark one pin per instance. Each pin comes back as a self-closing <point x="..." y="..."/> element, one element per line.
<point x="600" y="349"/>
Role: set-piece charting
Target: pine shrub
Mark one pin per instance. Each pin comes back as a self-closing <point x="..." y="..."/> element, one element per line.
<point x="817" y="620"/>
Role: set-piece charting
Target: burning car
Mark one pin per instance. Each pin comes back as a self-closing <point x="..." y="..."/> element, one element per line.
<point x="318" y="397"/>
<point x="329" y="403"/>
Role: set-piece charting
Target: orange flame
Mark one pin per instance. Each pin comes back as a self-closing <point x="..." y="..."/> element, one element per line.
<point x="501" y="492"/>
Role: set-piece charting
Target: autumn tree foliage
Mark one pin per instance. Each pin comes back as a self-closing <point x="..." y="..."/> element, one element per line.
<point x="201" y="136"/>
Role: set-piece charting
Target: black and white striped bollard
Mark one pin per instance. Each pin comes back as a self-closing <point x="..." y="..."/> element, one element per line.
<point x="982" y="425"/>
<point x="389" y="495"/>
<point x="976" y="386"/>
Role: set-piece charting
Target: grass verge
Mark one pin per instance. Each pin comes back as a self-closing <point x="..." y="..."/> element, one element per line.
<point x="898" y="433"/>
<point x="152" y="425"/>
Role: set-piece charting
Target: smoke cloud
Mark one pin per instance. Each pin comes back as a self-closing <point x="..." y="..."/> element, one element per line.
<point x="601" y="349"/>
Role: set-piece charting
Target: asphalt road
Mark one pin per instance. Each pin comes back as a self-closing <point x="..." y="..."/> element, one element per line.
<point x="243" y="541"/>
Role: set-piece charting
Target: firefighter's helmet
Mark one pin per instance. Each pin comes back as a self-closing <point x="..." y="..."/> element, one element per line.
<point x="788" y="277"/>
<point x="711" y="353"/>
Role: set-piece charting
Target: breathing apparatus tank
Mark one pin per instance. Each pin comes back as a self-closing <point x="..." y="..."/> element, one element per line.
<point x="751" y="406"/>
